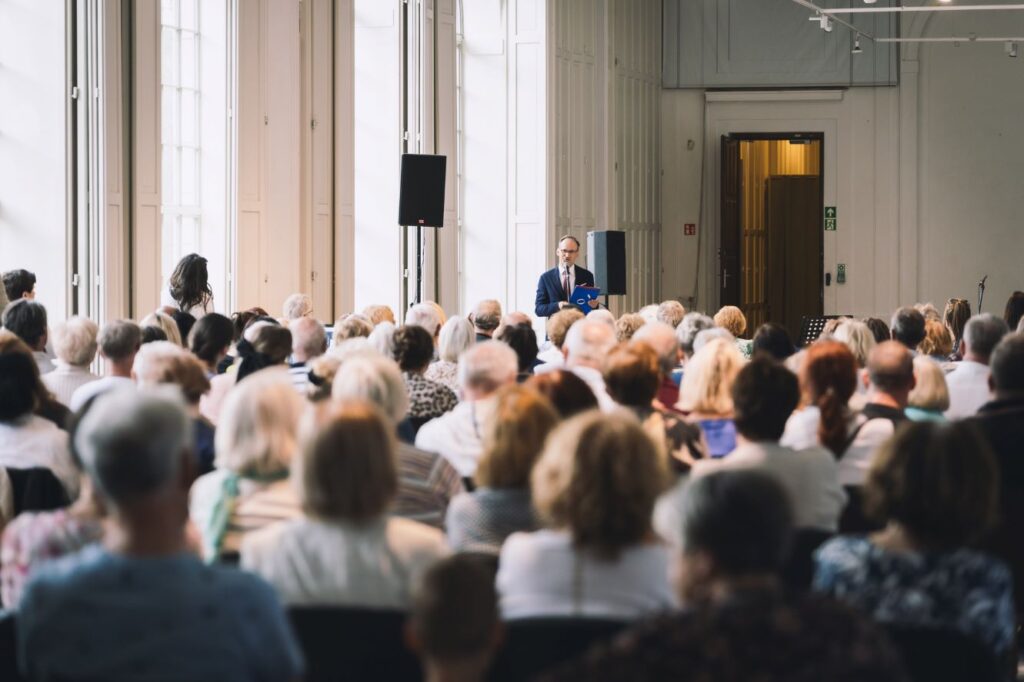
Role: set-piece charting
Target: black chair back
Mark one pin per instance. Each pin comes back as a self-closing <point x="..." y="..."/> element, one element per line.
<point x="853" y="520"/>
<point x="799" y="568"/>
<point x="36" y="489"/>
<point x="8" y="648"/>
<point x="533" y="645"/>
<point x="943" y="655"/>
<point x="343" y="643"/>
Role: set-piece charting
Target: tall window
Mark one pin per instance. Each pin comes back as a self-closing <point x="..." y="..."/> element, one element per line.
<point x="194" y="138"/>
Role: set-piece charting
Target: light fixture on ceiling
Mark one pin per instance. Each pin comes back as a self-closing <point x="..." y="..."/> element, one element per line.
<point x="870" y="2"/>
<point x="825" y="21"/>
<point x="856" y="46"/>
<point x="1011" y="48"/>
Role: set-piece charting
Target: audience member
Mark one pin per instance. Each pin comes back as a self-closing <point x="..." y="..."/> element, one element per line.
<point x="185" y="322"/>
<point x="352" y="326"/>
<point x="144" y="606"/>
<point x="35" y="538"/>
<point x="270" y="345"/>
<point x="828" y="376"/>
<point x="426" y="481"/>
<point x="255" y="445"/>
<point x="557" y="327"/>
<point x="687" y="330"/>
<point x="928" y="311"/>
<point x="512" y="319"/>
<point x="772" y="339"/>
<point x="345" y="549"/>
<point x="907" y="327"/>
<point x="671" y="313"/>
<point x="74" y="342"/>
<point x="631" y="376"/>
<point x="935" y="488"/>
<point x="486" y="317"/>
<point x="19" y="284"/>
<point x="164" y="323"/>
<point x="1001" y="422"/>
<point x="969" y="381"/>
<point x="296" y="307"/>
<point x="514" y="436"/>
<point x="739" y="624"/>
<point x="46" y="405"/>
<point x="210" y="340"/>
<point x="569" y="394"/>
<point x="859" y="338"/>
<point x="523" y="340"/>
<point x="734" y="321"/>
<point x="955" y="316"/>
<point x="764" y="395"/>
<point x="309" y="341"/>
<point x="662" y="338"/>
<point x="28" y="440"/>
<point x="705" y="336"/>
<point x="604" y="316"/>
<point x="1014" y="310"/>
<point x="649" y="312"/>
<point x="382" y="339"/>
<point x="627" y="325"/>
<point x="705" y="394"/>
<point x="937" y="343"/>
<point x="379" y="313"/>
<point x="118" y="342"/>
<point x="585" y="347"/>
<point x="149" y="334"/>
<point x="930" y="397"/>
<point x="428" y="399"/>
<point x="456" y="435"/>
<point x="427" y="316"/>
<point x="164" y="363"/>
<point x="454" y="626"/>
<point x="878" y="328"/>
<point x="456" y="336"/>
<point x="828" y="331"/>
<point x="27" y="319"/>
<point x="189" y="288"/>
<point x="594" y="488"/>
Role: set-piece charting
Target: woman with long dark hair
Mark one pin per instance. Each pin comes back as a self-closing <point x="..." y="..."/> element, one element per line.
<point x="189" y="288"/>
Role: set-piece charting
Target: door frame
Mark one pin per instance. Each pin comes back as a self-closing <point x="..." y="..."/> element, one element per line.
<point x="773" y="136"/>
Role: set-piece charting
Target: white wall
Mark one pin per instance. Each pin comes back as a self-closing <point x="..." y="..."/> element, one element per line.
<point x="925" y="176"/>
<point x="32" y="163"/>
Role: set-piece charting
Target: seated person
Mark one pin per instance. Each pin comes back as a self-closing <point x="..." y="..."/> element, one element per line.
<point x="414" y="348"/>
<point x="594" y="487"/>
<point x="74" y="342"/>
<point x="935" y="487"/>
<point x="481" y="520"/>
<point x="454" y="626"/>
<point x="456" y="336"/>
<point x="737" y="623"/>
<point x="345" y="550"/>
<point x="569" y="394"/>
<point x="143" y="606"/>
<point x="255" y="445"/>
<point x="704" y="395"/>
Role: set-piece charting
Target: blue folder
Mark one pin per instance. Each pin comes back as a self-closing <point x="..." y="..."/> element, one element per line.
<point x="582" y="295"/>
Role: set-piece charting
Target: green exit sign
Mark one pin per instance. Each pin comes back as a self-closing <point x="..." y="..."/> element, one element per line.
<point x="831" y="219"/>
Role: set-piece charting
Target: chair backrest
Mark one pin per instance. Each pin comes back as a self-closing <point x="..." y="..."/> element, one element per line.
<point x="799" y="568"/>
<point x="533" y="645"/>
<point x="944" y="655"/>
<point x="36" y="489"/>
<point x="853" y="520"/>
<point x="343" y="643"/>
<point x="8" y="648"/>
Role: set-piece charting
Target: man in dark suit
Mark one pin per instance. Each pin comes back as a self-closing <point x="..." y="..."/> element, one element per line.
<point x="555" y="285"/>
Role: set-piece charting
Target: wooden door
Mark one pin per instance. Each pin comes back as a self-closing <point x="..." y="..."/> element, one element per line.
<point x="794" y="270"/>
<point x="729" y="237"/>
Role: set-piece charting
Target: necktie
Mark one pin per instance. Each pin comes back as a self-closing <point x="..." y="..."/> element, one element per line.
<point x="565" y="284"/>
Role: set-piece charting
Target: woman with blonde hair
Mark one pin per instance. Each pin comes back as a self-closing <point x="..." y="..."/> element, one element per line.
<point x="514" y="435"/>
<point x="255" y="443"/>
<point x="345" y="549"/>
<point x="705" y="394"/>
<point x="930" y="397"/>
<point x="74" y="342"/>
<point x="164" y="323"/>
<point x="594" y="488"/>
<point x="858" y="337"/>
<point x="732" y="319"/>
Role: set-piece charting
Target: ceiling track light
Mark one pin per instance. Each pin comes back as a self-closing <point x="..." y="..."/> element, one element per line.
<point x="856" y="46"/>
<point x="825" y="21"/>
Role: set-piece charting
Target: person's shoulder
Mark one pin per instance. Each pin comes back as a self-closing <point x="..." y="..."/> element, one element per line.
<point x="413" y="534"/>
<point x="845" y="551"/>
<point x="69" y="572"/>
<point x="993" y="569"/>
<point x="267" y="540"/>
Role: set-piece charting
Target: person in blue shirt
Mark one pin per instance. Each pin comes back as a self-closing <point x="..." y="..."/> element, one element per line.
<point x="143" y="606"/>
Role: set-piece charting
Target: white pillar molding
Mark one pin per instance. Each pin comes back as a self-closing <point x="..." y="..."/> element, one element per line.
<point x="344" y="156"/>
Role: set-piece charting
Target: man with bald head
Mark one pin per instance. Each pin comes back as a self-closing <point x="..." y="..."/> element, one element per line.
<point x="486" y="317"/>
<point x="586" y="345"/>
<point x="890" y="379"/>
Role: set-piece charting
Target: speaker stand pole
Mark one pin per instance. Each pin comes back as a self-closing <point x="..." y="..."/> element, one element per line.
<point x="419" y="264"/>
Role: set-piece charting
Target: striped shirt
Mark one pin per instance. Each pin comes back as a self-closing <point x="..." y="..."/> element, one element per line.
<point x="426" y="483"/>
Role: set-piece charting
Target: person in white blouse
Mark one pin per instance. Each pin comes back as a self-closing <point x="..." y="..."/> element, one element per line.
<point x="74" y="342"/>
<point x="594" y="488"/>
<point x="189" y="287"/>
<point x="968" y="382"/>
<point x="345" y="550"/>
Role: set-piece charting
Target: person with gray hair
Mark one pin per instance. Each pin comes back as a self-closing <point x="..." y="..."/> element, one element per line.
<point x="297" y="306"/>
<point x="586" y="345"/>
<point x="457" y="435"/>
<point x="705" y="336"/>
<point x="74" y="342"/>
<point x="968" y="382"/>
<point x="486" y="317"/>
<point x="456" y="336"/>
<point x="426" y="316"/>
<point x="687" y="330"/>
<point x="426" y="481"/>
<point x="118" y="342"/>
<point x="661" y="337"/>
<point x="671" y="312"/>
<point x="135" y="447"/>
<point x="309" y="341"/>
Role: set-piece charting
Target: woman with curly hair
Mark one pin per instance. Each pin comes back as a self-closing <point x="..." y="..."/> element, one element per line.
<point x="189" y="289"/>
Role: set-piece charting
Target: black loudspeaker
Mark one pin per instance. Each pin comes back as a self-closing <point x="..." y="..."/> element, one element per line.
<point x="421" y="199"/>
<point x="606" y="258"/>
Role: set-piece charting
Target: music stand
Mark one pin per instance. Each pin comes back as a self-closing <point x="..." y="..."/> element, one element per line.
<point x="811" y="327"/>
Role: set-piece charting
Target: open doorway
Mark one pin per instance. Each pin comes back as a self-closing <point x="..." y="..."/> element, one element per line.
<point x="771" y="253"/>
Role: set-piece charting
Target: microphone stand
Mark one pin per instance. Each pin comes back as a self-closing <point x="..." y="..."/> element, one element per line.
<point x="981" y="292"/>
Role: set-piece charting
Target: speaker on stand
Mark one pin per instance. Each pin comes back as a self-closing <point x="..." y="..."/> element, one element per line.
<point x="421" y="201"/>
<point x="606" y="258"/>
